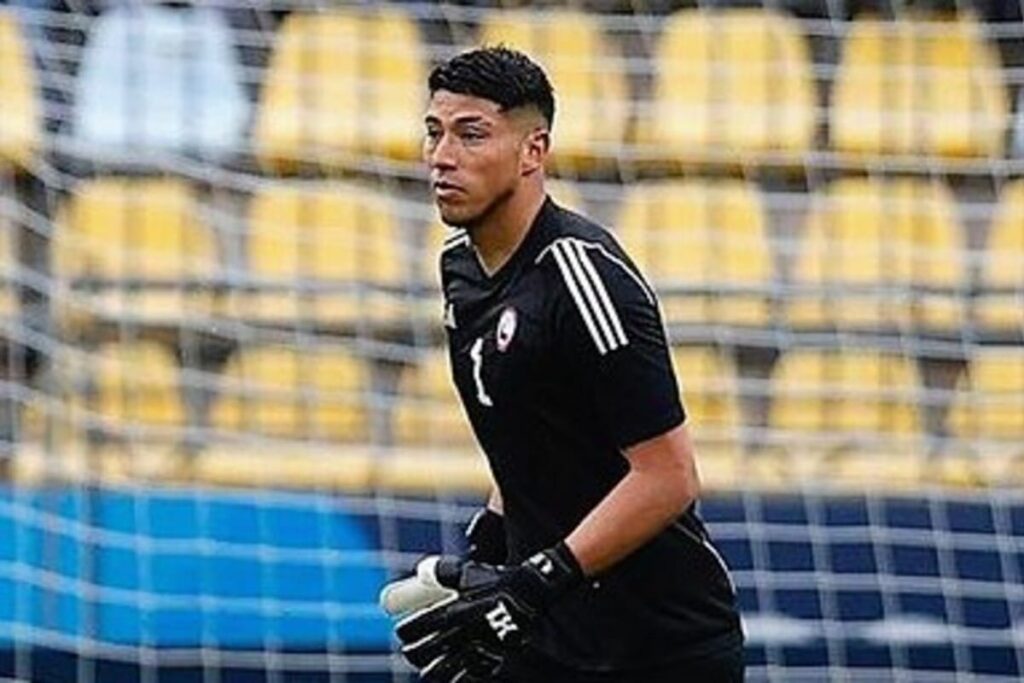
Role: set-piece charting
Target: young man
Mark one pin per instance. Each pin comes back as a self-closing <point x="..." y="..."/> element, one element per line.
<point x="590" y="564"/>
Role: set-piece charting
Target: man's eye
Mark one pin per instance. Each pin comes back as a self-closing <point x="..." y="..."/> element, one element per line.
<point x="473" y="135"/>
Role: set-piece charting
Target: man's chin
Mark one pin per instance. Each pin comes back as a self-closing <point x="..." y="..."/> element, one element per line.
<point x="456" y="219"/>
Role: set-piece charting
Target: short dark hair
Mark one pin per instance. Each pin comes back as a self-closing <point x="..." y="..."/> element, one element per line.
<point x="500" y="74"/>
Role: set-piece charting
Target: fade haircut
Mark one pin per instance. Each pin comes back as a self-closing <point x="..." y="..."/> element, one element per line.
<point x="500" y="74"/>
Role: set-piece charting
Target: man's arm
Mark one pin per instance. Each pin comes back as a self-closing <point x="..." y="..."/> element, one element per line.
<point x="661" y="483"/>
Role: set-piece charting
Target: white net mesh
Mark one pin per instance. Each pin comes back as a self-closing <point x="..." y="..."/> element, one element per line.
<point x="226" y="417"/>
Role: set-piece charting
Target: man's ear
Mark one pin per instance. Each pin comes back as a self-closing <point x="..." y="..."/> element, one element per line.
<point x="534" y="151"/>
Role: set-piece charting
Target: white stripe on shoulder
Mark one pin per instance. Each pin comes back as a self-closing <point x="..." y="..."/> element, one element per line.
<point x="602" y="293"/>
<point x="588" y="292"/>
<point x="600" y="248"/>
<point x="570" y="283"/>
<point x="592" y="292"/>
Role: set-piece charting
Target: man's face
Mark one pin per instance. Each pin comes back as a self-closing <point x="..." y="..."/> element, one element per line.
<point x="476" y="154"/>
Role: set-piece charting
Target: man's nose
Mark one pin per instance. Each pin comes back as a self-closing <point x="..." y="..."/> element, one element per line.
<point x="443" y="153"/>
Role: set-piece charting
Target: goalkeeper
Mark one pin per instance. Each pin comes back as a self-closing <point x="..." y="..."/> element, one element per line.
<point x="590" y="563"/>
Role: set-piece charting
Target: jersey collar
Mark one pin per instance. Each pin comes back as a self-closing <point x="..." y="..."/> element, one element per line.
<point x="528" y="248"/>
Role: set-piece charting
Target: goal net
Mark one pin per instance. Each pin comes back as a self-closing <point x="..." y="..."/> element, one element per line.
<point x="226" y="418"/>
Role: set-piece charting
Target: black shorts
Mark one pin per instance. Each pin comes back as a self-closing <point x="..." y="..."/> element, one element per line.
<point x="718" y="667"/>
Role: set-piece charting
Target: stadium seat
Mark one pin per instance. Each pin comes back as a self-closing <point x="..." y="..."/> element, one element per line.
<point x="710" y="393"/>
<point x="117" y="411"/>
<point x="20" y="122"/>
<point x="705" y="247"/>
<point x="340" y="86"/>
<point x="588" y="78"/>
<point x="734" y="84"/>
<point x="1000" y="304"/>
<point x="427" y="412"/>
<point x="880" y="255"/>
<point x="134" y="249"/>
<point x="276" y="465"/>
<point x="988" y="407"/>
<point x="159" y="80"/>
<point x="8" y="272"/>
<point x="329" y="255"/>
<point x="857" y="401"/>
<point x="929" y="88"/>
<point x="291" y="394"/>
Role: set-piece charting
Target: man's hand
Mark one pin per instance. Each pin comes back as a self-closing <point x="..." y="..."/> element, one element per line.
<point x="468" y="637"/>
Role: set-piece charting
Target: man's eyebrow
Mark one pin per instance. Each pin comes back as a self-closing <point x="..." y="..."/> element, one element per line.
<point x="462" y="119"/>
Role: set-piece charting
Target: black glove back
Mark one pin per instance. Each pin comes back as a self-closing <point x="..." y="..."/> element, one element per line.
<point x="492" y="616"/>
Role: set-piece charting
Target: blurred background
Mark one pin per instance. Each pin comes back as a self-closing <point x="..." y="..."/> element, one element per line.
<point x="225" y="414"/>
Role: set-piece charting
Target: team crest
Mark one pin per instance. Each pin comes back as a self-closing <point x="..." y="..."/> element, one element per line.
<point x="506" y="328"/>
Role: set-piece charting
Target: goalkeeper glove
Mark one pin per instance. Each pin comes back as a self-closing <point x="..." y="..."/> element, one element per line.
<point x="486" y="536"/>
<point x="416" y="592"/>
<point x="493" y="614"/>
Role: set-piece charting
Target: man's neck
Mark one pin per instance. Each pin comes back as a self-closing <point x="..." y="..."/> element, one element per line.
<point x="500" y="234"/>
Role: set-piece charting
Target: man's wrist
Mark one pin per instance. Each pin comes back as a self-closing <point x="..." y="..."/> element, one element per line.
<point x="557" y="571"/>
<point x="485" y="535"/>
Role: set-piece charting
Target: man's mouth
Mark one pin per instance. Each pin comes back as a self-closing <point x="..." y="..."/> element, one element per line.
<point x="446" y="190"/>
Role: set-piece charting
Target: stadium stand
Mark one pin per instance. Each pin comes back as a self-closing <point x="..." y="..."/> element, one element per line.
<point x="9" y="307"/>
<point x="705" y="246"/>
<point x="20" y="124"/>
<point x="886" y="98"/>
<point x="159" y="80"/>
<point x="225" y="418"/>
<point x="711" y="394"/>
<point x="427" y="411"/>
<point x="134" y="249"/>
<point x="1000" y="304"/>
<point x="875" y="411"/>
<point x="731" y="83"/>
<point x="988" y="410"/>
<point x="297" y="394"/>
<point x="880" y="255"/>
<point x="337" y="88"/>
<point x="323" y="255"/>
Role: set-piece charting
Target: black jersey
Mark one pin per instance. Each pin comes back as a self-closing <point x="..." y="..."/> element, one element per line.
<point x="561" y="362"/>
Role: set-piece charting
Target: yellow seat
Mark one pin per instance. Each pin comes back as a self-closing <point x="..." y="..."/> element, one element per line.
<point x="134" y="249"/>
<point x="428" y="412"/>
<point x="8" y="272"/>
<point x="294" y="394"/>
<point x="1000" y="305"/>
<point x="710" y="393"/>
<point x="276" y="465"/>
<point x="341" y="86"/>
<point x="330" y="254"/>
<point x="929" y="88"/>
<point x="588" y="79"/>
<point x="121" y="404"/>
<point x="432" y="472"/>
<point x="988" y="407"/>
<point x="858" y="401"/>
<point x="733" y="83"/>
<point x="704" y="246"/>
<point x="19" y="122"/>
<point x="880" y="254"/>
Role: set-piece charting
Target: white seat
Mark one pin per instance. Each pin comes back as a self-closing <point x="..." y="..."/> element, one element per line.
<point x="157" y="80"/>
